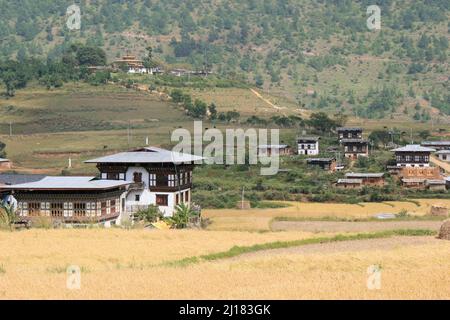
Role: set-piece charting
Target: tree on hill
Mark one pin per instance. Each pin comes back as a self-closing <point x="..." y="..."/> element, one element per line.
<point x="84" y="55"/>
<point x="321" y="122"/>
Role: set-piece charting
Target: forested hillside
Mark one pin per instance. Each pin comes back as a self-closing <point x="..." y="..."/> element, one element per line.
<point x="318" y="53"/>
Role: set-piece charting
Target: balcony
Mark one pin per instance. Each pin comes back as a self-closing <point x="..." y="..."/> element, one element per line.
<point x="136" y="186"/>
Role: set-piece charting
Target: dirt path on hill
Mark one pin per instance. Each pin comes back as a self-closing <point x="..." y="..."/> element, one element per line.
<point x="342" y="226"/>
<point x="257" y="94"/>
<point x="345" y="246"/>
<point x="439" y="163"/>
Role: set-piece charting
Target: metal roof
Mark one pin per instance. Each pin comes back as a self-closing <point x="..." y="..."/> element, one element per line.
<point x="320" y="159"/>
<point x="350" y="181"/>
<point x="15" y="178"/>
<point x="4" y="160"/>
<point x="413" y="180"/>
<point x="436" y="182"/>
<point x="68" y="183"/>
<point x="273" y="146"/>
<point x="443" y="152"/>
<point x="364" y="175"/>
<point x="413" y="148"/>
<point x="147" y="155"/>
<point x="349" y="129"/>
<point x="308" y="138"/>
<point x="435" y="143"/>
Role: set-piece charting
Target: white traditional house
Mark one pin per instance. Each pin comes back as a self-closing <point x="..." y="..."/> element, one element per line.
<point x="413" y="155"/>
<point x="308" y="145"/>
<point x="443" y="155"/>
<point x="157" y="176"/>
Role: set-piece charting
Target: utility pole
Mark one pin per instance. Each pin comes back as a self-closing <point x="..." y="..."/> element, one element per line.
<point x="10" y="129"/>
<point x="242" y="201"/>
<point x="129" y="133"/>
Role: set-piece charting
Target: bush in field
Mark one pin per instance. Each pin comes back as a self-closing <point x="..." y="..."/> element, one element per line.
<point x="182" y="215"/>
<point x="7" y="216"/>
<point x="151" y="214"/>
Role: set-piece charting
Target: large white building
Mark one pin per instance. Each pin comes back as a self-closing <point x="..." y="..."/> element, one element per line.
<point x="157" y="176"/>
<point x="413" y="155"/>
<point x="128" y="182"/>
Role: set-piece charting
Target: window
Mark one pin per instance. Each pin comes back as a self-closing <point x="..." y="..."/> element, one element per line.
<point x="137" y="197"/>
<point x="79" y="209"/>
<point x="137" y="177"/>
<point x="57" y="209"/>
<point x="172" y="180"/>
<point x="162" y="180"/>
<point x="162" y="199"/>
<point x="152" y="179"/>
<point x="34" y="209"/>
<point x="186" y="196"/>
<point x="113" y="176"/>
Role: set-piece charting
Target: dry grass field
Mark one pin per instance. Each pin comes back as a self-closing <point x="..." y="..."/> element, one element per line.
<point x="259" y="219"/>
<point x="127" y="264"/>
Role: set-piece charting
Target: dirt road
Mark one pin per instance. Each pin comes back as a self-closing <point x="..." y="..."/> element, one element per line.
<point x="338" y="226"/>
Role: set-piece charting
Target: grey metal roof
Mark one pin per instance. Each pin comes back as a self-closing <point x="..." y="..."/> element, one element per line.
<point x="413" y="180"/>
<point x="413" y="148"/>
<point x="308" y="138"/>
<point x="349" y="129"/>
<point x="364" y="175"/>
<point x="443" y="152"/>
<point x="435" y="143"/>
<point x="147" y="155"/>
<point x="436" y="182"/>
<point x="68" y="183"/>
<point x="273" y="146"/>
<point x="350" y="181"/>
<point x="320" y="159"/>
<point x="16" y="178"/>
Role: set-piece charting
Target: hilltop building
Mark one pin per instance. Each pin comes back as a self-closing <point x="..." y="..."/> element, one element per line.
<point x="349" y="183"/>
<point x="413" y="155"/>
<point x="352" y="141"/>
<point x="308" y="145"/>
<point x="349" y="133"/>
<point x="438" y="145"/>
<point x="367" y="179"/>
<point x="268" y="150"/>
<point x="355" y="148"/>
<point x="328" y="164"/>
<point x="443" y="155"/>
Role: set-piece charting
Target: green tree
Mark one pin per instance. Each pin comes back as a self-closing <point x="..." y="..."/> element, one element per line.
<point x="150" y="215"/>
<point x="182" y="215"/>
<point x="7" y="215"/>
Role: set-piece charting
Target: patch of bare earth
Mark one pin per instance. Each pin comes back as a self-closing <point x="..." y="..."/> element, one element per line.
<point x="343" y="226"/>
<point x="347" y="246"/>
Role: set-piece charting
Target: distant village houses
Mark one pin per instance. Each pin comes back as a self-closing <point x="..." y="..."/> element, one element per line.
<point x="328" y="164"/>
<point x="280" y="149"/>
<point x="353" y="143"/>
<point x="308" y="145"/>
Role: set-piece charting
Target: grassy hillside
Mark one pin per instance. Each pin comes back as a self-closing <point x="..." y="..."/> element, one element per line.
<point x="317" y="54"/>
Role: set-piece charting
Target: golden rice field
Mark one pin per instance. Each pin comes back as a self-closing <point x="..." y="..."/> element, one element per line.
<point x="123" y="264"/>
<point x="135" y="264"/>
<point x="259" y="219"/>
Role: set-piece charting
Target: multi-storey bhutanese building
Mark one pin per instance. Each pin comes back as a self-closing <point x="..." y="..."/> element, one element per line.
<point x="156" y="176"/>
<point x="128" y="182"/>
<point x="352" y="141"/>
<point x="413" y="155"/>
